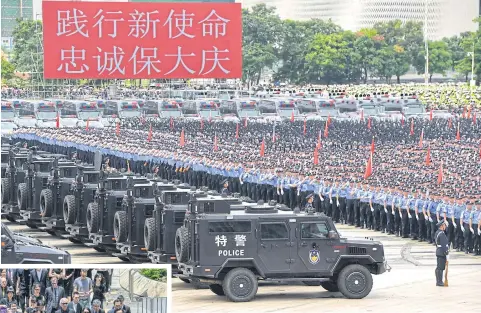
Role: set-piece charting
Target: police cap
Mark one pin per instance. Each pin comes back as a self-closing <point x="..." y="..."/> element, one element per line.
<point x="439" y="224"/>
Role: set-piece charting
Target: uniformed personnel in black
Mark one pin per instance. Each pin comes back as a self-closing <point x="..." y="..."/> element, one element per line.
<point x="225" y="188"/>
<point x="442" y="252"/>
<point x="310" y="200"/>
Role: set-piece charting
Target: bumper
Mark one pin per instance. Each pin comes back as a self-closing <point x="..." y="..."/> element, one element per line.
<point x="382" y="268"/>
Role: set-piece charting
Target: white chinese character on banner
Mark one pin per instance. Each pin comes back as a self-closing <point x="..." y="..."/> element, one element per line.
<point x="101" y="19"/>
<point x="69" y="23"/>
<point x="141" y="23"/>
<point x="147" y="57"/>
<point x="214" y="25"/>
<point x="110" y="61"/>
<point x="221" y="240"/>
<point x="215" y="60"/>
<point x="69" y="57"/>
<point x="181" y="22"/>
<point x="179" y="56"/>
<point x="240" y="240"/>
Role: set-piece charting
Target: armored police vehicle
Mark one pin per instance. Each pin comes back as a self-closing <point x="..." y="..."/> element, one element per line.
<point x="286" y="108"/>
<point x="268" y="109"/>
<point x="25" y="115"/>
<point x="232" y="252"/>
<point x="201" y="108"/>
<point x="8" y="118"/>
<point x="14" y="175"/>
<point x="45" y="113"/>
<point x="116" y="110"/>
<point x="228" y="111"/>
<point x="247" y="108"/>
<point x="20" y="250"/>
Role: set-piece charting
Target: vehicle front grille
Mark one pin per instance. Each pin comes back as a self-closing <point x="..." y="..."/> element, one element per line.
<point x="357" y="250"/>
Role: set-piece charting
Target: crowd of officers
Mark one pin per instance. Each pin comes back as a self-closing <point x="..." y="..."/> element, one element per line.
<point x="402" y="196"/>
<point x="57" y="291"/>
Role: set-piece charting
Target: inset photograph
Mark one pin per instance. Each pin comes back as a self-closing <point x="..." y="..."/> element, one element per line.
<point x="84" y="290"/>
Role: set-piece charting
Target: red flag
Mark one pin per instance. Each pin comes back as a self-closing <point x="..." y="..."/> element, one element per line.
<point x="329" y="119"/>
<point x="292" y="116"/>
<point x="263" y="148"/>
<point x="215" y="143"/>
<point x="412" y="128"/>
<point x="87" y="125"/>
<point x="372" y="145"/>
<point x="362" y="115"/>
<point x="402" y="120"/>
<point x="326" y="130"/>
<point x="316" y="156"/>
<point x="237" y="131"/>
<point x="368" y="171"/>
<point x="305" y="127"/>
<point x="464" y="112"/>
<point x="201" y="124"/>
<point x="171" y="123"/>
<point x="458" y="134"/>
<point x="319" y="141"/>
<point x="245" y="122"/>
<point x="421" y="138"/>
<point x="149" y="137"/>
<point x="117" y="129"/>
<point x="128" y="166"/>
<point x="431" y="115"/>
<point x="474" y="117"/>
<point x="57" y="120"/>
<point x="369" y="123"/>
<point x="450" y="123"/>
<point x="182" y="138"/>
<point x="428" y="157"/>
<point x="469" y="111"/>
<point x="440" y="174"/>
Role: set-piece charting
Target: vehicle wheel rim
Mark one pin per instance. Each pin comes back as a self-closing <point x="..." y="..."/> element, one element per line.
<point x="241" y="286"/>
<point x="356" y="282"/>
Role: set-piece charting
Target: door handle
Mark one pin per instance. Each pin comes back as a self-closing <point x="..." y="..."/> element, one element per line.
<point x="303" y="244"/>
<point x="263" y="245"/>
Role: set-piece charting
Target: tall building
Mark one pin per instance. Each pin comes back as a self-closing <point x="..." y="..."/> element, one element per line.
<point x="445" y="17"/>
<point x="11" y="10"/>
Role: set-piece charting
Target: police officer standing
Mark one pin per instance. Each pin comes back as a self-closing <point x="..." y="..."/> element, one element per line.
<point x="225" y="188"/>
<point x="442" y="252"/>
<point x="309" y="207"/>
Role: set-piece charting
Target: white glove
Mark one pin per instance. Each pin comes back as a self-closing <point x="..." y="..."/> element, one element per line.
<point x="385" y="210"/>
<point x="455" y="226"/>
<point x="337" y="203"/>
<point x="409" y="215"/>
<point x="330" y="201"/>
<point x="393" y="212"/>
<point x="471" y="229"/>
<point x="417" y="217"/>
<point x="278" y="192"/>
<point x="322" y="199"/>
<point x="479" y="231"/>
<point x="447" y="257"/>
<point x="372" y="210"/>
<point x="426" y="217"/>
<point x="430" y="219"/>
<point x="462" y="228"/>
<point x="446" y="222"/>
<point x="282" y="191"/>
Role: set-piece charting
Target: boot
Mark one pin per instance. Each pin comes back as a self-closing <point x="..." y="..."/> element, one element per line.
<point x="439" y="278"/>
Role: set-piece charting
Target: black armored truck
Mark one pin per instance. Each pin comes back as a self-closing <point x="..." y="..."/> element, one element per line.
<point x="232" y="252"/>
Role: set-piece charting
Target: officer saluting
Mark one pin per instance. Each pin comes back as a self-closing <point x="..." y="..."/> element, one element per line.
<point x="442" y="252"/>
<point x="225" y="188"/>
<point x="309" y="207"/>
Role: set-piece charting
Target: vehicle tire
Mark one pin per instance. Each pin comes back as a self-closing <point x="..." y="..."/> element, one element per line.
<point x="240" y="285"/>
<point x="150" y="230"/>
<point x="355" y="281"/>
<point x="182" y="244"/>
<point x="120" y="226"/>
<point x="311" y="283"/>
<point x="69" y="210"/>
<point x="330" y="286"/>
<point x="5" y="190"/>
<point x="93" y="218"/>
<point x="185" y="280"/>
<point x="217" y="289"/>
<point x="22" y="196"/>
<point x="46" y="202"/>
<point x="196" y="284"/>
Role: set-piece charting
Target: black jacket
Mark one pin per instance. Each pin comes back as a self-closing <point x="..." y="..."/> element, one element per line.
<point x="442" y="243"/>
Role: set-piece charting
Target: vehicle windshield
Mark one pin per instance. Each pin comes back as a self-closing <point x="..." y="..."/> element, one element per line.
<point x="288" y="112"/>
<point x="170" y="113"/>
<point x="244" y="113"/>
<point x="125" y="113"/>
<point x="328" y="112"/>
<point x="41" y="115"/>
<point x="83" y="115"/>
<point x="150" y="108"/>
<point x="413" y="109"/>
<point x="370" y="110"/>
<point x="24" y="112"/>
<point x="346" y="110"/>
<point x="6" y="115"/>
<point x="208" y="113"/>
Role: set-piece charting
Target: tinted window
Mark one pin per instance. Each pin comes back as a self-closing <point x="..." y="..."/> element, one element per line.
<point x="314" y="230"/>
<point x="274" y="231"/>
<point x="230" y="227"/>
<point x="179" y="217"/>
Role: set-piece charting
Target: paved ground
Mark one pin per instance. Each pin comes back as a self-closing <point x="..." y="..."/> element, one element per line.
<point x="409" y="287"/>
<point x="80" y="254"/>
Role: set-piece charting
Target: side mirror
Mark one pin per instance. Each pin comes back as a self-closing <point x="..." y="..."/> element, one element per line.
<point x="333" y="235"/>
<point x="7" y="243"/>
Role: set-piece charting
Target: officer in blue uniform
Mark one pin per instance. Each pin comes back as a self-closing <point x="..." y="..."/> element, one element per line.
<point x="442" y="252"/>
<point x="465" y="228"/>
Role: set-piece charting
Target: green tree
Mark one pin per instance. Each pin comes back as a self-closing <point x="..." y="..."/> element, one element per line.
<point x="27" y="56"/>
<point x="439" y="59"/>
<point x="261" y="31"/>
<point x="367" y="44"/>
<point x="455" y="49"/>
<point x="8" y="70"/>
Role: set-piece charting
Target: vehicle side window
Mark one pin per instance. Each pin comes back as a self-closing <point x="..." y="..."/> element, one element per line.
<point x="230" y="227"/>
<point x="274" y="231"/>
<point x="314" y="230"/>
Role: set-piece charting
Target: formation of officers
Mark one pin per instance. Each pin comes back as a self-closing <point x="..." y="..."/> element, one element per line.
<point x="402" y="197"/>
<point x="57" y="291"/>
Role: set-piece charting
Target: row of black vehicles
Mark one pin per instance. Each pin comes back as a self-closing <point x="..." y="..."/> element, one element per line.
<point x="227" y="243"/>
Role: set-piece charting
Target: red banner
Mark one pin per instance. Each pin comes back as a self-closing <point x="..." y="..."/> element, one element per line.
<point x="142" y="40"/>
